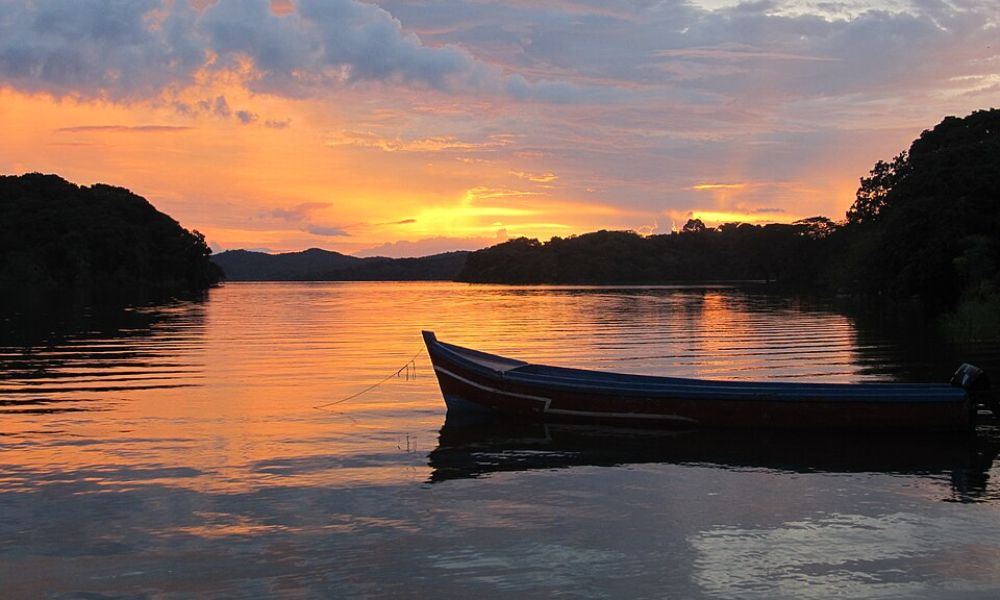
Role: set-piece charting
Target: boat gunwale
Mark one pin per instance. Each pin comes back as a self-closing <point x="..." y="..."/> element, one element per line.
<point x="566" y="379"/>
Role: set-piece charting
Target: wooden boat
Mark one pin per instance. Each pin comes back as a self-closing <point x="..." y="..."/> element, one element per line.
<point x="474" y="381"/>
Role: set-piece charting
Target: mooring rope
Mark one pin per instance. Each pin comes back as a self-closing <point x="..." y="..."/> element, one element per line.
<point x="412" y="363"/>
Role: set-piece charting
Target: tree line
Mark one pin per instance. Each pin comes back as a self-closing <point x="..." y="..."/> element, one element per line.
<point x="924" y="224"/>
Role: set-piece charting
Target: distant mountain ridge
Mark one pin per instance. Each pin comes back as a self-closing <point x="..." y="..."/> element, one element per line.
<point x="316" y="264"/>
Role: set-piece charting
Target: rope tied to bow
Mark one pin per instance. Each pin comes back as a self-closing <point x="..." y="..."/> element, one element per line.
<point x="408" y="370"/>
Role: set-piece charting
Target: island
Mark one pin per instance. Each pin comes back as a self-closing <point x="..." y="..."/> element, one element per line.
<point x="65" y="239"/>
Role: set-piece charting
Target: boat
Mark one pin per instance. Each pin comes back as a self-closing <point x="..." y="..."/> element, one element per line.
<point x="477" y="382"/>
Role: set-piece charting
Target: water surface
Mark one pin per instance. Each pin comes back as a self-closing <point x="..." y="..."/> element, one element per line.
<point x="206" y="448"/>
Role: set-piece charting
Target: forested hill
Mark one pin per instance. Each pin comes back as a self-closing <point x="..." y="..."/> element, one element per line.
<point x="245" y="265"/>
<point x="324" y="265"/>
<point x="925" y="224"/>
<point x="60" y="237"/>
<point x="733" y="252"/>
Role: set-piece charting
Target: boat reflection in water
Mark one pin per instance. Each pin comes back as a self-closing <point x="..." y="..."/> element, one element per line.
<point x="471" y="448"/>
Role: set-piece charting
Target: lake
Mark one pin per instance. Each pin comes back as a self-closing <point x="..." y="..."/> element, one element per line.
<point x="219" y="448"/>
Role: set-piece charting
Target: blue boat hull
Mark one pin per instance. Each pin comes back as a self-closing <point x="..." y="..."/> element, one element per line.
<point x="473" y="381"/>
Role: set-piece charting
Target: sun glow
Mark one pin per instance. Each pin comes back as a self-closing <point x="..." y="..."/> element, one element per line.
<point x="718" y="186"/>
<point x="712" y="218"/>
<point x="237" y="171"/>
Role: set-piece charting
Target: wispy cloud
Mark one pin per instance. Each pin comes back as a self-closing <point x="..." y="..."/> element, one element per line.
<point x="400" y="222"/>
<point x="441" y="143"/>
<point x="302" y="216"/>
<point x="738" y="53"/>
<point x="123" y="129"/>
<point x="536" y="177"/>
<point x="218" y="106"/>
<point x="325" y="230"/>
<point x="297" y="212"/>
<point x="246" y="117"/>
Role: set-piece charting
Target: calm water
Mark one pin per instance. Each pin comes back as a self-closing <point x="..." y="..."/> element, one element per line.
<point x="178" y="451"/>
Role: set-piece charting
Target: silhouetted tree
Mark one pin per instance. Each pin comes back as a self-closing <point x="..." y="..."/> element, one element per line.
<point x="817" y="228"/>
<point x="693" y="226"/>
<point x="926" y="224"/>
<point x="874" y="192"/>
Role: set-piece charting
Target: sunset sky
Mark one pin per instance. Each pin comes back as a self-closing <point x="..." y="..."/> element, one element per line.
<point x="409" y="128"/>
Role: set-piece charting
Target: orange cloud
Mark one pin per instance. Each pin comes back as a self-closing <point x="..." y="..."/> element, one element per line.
<point x="535" y="177"/>
<point x="370" y="139"/>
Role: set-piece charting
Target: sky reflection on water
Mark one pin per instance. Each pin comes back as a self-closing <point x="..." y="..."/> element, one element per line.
<point x="176" y="451"/>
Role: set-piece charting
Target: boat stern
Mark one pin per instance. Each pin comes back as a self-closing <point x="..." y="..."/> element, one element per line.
<point x="976" y="384"/>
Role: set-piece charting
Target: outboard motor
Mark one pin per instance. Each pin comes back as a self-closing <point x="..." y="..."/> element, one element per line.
<point x="977" y="383"/>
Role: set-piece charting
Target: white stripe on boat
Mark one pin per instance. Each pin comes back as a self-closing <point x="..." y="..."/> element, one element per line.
<point x="486" y="388"/>
<point x="562" y="411"/>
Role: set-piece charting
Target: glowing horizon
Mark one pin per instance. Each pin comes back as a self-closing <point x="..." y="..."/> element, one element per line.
<point x="410" y="130"/>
